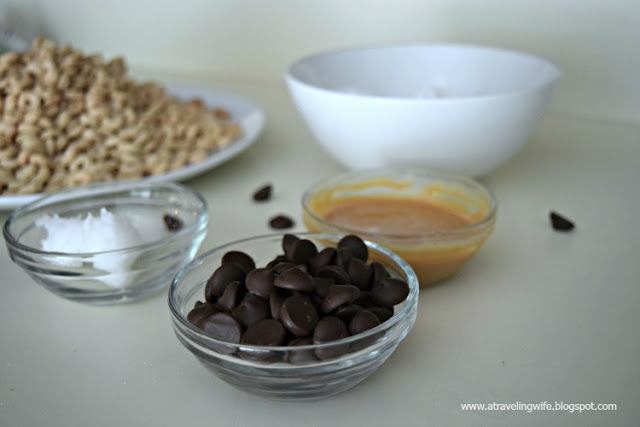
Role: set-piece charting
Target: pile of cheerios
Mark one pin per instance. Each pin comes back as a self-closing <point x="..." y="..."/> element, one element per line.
<point x="68" y="119"/>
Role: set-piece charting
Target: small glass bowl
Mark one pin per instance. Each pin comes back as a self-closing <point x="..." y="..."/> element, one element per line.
<point x="265" y="370"/>
<point x="114" y="276"/>
<point x="434" y="255"/>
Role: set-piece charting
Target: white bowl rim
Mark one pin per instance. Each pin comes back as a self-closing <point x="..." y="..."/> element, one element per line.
<point x="105" y="188"/>
<point x="290" y="76"/>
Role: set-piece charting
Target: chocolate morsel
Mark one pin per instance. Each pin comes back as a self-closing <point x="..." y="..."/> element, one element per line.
<point x="281" y="267"/>
<point x="242" y="260"/>
<point x="260" y="282"/>
<point x="277" y="260"/>
<point x="346" y="312"/>
<point x="363" y="299"/>
<point x="301" y="356"/>
<point x="325" y="257"/>
<point x="301" y="251"/>
<point x="339" y="295"/>
<point x="378" y="272"/>
<point x="559" y="222"/>
<point x="265" y="332"/>
<point x="299" y="315"/>
<point x="281" y="222"/>
<point x="173" y="223"/>
<point x="223" y="327"/>
<point x="275" y="302"/>
<point x="330" y="328"/>
<point x="391" y="291"/>
<point x="356" y="246"/>
<point x="252" y="309"/>
<point x="363" y="321"/>
<point x="201" y="312"/>
<point x="220" y="278"/>
<point x="339" y="276"/>
<point x="232" y="296"/>
<point x="263" y="193"/>
<point x="383" y="313"/>
<point x="343" y="257"/>
<point x="359" y="273"/>
<point x="287" y="241"/>
<point x="321" y="285"/>
<point x="294" y="279"/>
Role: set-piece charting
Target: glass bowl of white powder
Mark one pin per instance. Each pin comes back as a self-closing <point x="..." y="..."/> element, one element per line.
<point x="108" y="243"/>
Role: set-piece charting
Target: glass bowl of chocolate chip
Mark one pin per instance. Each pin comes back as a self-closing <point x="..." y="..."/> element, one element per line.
<point x="108" y="243"/>
<point x="294" y="317"/>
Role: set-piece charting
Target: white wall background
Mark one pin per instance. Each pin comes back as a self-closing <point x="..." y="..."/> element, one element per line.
<point x="595" y="42"/>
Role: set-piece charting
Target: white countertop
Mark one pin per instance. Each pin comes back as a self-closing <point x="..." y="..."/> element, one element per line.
<point x="536" y="316"/>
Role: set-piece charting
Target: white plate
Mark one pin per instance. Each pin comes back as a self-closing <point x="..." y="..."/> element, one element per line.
<point x="248" y="115"/>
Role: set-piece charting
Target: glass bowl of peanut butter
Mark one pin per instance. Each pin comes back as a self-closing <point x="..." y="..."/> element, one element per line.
<point x="435" y="221"/>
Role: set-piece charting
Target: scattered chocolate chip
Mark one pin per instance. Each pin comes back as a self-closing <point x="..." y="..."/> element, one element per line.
<point x="243" y="260"/>
<point x="355" y="245"/>
<point x="173" y="223"/>
<point x="390" y="292"/>
<point x="263" y="193"/>
<point x="299" y="315"/>
<point x="281" y="222"/>
<point x="559" y="222"/>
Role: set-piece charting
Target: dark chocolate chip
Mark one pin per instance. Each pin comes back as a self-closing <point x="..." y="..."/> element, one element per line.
<point x="260" y="282"/>
<point x="378" y="272"/>
<point x="321" y="285"/>
<point x="241" y="259"/>
<point x="263" y="193"/>
<point x="338" y="295"/>
<point x="301" y="356"/>
<point x="346" y="312"/>
<point x="363" y="321"/>
<point x="276" y="260"/>
<point x="391" y="291"/>
<point x="364" y="299"/>
<point x="299" y="315"/>
<point x="287" y="241"/>
<point x="223" y="327"/>
<point x="301" y="251"/>
<point x="560" y="223"/>
<point x="342" y="259"/>
<point x="295" y="279"/>
<point x="281" y="222"/>
<point x="220" y="278"/>
<point x="252" y="309"/>
<point x="201" y="312"/>
<point x="359" y="273"/>
<point x="275" y="302"/>
<point x="330" y="328"/>
<point x="173" y="223"/>
<point x="232" y="296"/>
<point x="356" y="246"/>
<point x="325" y="257"/>
<point x="268" y="332"/>
<point x="339" y="276"/>
<point x="383" y="313"/>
